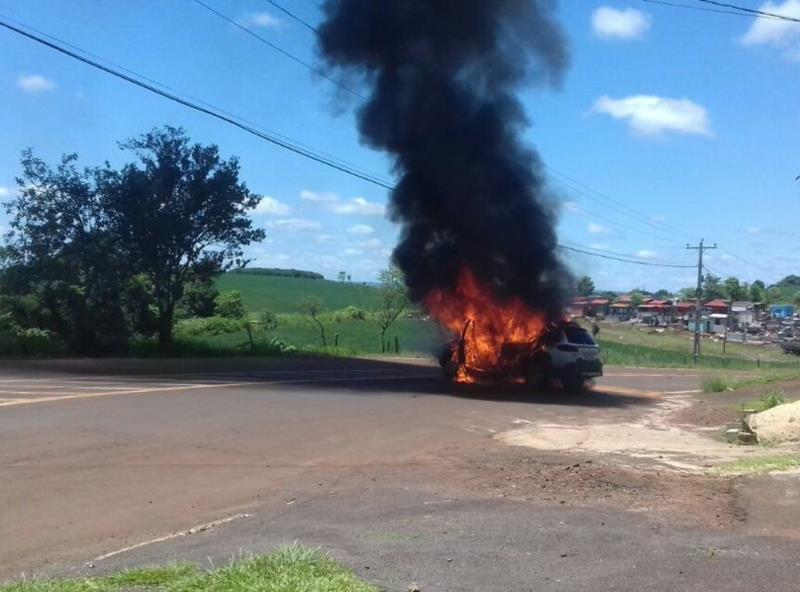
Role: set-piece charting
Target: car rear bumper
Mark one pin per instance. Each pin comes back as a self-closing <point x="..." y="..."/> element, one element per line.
<point x="590" y="368"/>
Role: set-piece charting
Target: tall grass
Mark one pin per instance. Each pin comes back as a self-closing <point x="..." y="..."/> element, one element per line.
<point x="289" y="569"/>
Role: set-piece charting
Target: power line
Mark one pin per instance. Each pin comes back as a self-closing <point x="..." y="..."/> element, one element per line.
<point x="331" y="157"/>
<point x="705" y="9"/>
<point x="280" y="50"/>
<point x="232" y="120"/>
<point x="292" y="15"/>
<point x="624" y="260"/>
<point x="213" y="112"/>
<point x="782" y="17"/>
<point x="616" y="205"/>
<point x="609" y="252"/>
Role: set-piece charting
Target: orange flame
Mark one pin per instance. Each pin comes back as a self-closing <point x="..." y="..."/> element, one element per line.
<point x="492" y="323"/>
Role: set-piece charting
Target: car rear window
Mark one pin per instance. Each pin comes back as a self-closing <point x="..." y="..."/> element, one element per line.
<point x="579" y="336"/>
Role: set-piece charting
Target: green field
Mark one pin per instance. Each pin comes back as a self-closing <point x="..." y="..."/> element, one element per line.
<point x="281" y="294"/>
<point x="622" y="345"/>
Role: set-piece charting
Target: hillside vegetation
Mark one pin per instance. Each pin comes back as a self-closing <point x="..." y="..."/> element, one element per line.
<point x="281" y="295"/>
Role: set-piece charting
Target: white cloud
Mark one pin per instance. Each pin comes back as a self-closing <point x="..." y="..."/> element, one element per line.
<point x="783" y="34"/>
<point x="353" y="252"/>
<point x="600" y="246"/>
<point x="658" y="219"/>
<point x="645" y="254"/>
<point x="35" y="83"/>
<point x="294" y="224"/>
<point x="332" y="202"/>
<point x="360" y="206"/>
<point x="261" y="19"/>
<point x="571" y="207"/>
<point x="325" y="239"/>
<point x="5" y="191"/>
<point x="611" y="23"/>
<point x="649" y="115"/>
<point x="361" y="229"/>
<point x="318" y="196"/>
<point x="272" y="207"/>
<point x="595" y="228"/>
<point x="753" y="230"/>
<point x="372" y="243"/>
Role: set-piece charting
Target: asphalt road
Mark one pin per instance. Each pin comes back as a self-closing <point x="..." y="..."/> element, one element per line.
<point x="110" y="466"/>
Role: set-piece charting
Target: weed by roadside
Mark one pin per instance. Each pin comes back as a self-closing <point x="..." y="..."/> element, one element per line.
<point x="289" y="568"/>
<point x="763" y="464"/>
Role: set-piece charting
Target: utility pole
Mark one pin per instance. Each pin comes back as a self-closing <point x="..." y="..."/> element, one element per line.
<point x="697" y="316"/>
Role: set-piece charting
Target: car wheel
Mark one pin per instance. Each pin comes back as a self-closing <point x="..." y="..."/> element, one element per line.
<point x="574" y="383"/>
<point x="537" y="375"/>
<point x="450" y="370"/>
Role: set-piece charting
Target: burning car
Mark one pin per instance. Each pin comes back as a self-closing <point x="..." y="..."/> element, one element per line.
<point x="564" y="351"/>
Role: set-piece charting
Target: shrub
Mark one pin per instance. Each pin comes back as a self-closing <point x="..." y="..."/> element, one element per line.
<point x="268" y="320"/>
<point x="771" y="399"/>
<point x="208" y="326"/>
<point x="717" y="384"/>
<point x="229" y="305"/>
<point x="350" y="313"/>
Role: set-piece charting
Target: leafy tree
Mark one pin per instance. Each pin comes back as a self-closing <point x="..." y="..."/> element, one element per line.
<point x="636" y="300"/>
<point x="199" y="298"/>
<point x="790" y="281"/>
<point x="734" y="289"/>
<point x="393" y="300"/>
<point x="139" y="306"/>
<point x="774" y="295"/>
<point x="585" y="286"/>
<point x="181" y="206"/>
<point x="662" y="294"/>
<point x="63" y="258"/>
<point x="311" y="308"/>
<point x="712" y="287"/>
<point x="229" y="305"/>
<point x="758" y="291"/>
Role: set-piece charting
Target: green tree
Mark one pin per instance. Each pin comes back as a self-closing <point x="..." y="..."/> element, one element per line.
<point x="393" y="300"/>
<point x="636" y="300"/>
<point x="585" y="286"/>
<point x="63" y="258"/>
<point x="712" y="287"/>
<point x="733" y="289"/>
<point x="662" y="294"/>
<point x="758" y="291"/>
<point x="180" y="207"/>
<point x="311" y="308"/>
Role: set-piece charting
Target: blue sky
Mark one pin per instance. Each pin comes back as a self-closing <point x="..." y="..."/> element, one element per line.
<point x="689" y="118"/>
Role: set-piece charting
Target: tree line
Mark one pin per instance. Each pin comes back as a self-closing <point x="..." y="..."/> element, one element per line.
<point x="714" y="287"/>
<point x="97" y="256"/>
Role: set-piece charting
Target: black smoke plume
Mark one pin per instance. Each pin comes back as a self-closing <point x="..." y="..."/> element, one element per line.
<point x="443" y="76"/>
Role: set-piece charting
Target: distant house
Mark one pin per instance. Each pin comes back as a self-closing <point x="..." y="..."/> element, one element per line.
<point x="579" y="307"/>
<point x="781" y="312"/>
<point x="621" y="309"/>
<point x="684" y="311"/>
<point x="716" y="306"/>
<point x="745" y="313"/>
<point x="655" y="312"/>
<point x="599" y="307"/>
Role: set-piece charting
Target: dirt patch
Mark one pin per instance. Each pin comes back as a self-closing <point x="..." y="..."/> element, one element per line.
<point x="579" y="481"/>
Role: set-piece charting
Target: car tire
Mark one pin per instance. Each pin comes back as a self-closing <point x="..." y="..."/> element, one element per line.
<point x="574" y="383"/>
<point x="537" y="373"/>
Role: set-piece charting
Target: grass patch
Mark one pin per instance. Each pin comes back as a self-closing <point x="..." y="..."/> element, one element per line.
<point x="716" y="384"/>
<point x="292" y="568"/>
<point x="764" y="464"/>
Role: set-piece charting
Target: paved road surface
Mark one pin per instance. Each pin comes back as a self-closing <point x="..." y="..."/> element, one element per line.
<point x="350" y="455"/>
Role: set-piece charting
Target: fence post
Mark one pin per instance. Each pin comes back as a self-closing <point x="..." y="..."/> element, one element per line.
<point x="396" y="344"/>
<point x="336" y="340"/>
